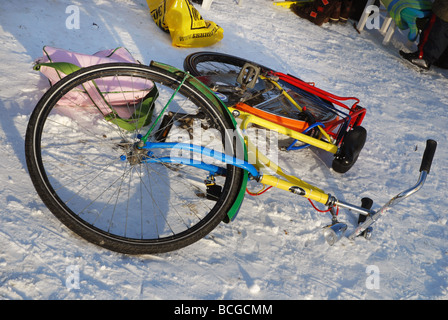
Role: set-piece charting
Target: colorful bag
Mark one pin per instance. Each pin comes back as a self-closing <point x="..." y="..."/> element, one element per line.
<point x="128" y="104"/>
<point x="184" y="23"/>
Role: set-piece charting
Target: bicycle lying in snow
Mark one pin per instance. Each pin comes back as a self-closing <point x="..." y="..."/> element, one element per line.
<point x="147" y="159"/>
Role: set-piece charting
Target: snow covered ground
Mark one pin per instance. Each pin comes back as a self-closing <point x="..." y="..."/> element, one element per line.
<point x="274" y="249"/>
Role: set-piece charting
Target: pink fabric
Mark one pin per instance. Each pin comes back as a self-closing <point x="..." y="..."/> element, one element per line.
<point x="124" y="92"/>
<point x="81" y="60"/>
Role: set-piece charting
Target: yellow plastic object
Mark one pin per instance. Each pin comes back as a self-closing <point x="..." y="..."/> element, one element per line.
<point x="184" y="23"/>
<point x="288" y="4"/>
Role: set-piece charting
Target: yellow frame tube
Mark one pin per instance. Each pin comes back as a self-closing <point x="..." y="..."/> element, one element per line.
<point x="248" y="118"/>
<point x="308" y="190"/>
<point x="286" y="182"/>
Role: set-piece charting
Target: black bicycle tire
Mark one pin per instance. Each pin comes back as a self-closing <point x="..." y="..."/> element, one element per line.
<point x="192" y="61"/>
<point x="91" y="233"/>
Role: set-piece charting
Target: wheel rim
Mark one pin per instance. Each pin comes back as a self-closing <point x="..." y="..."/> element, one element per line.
<point x="85" y="164"/>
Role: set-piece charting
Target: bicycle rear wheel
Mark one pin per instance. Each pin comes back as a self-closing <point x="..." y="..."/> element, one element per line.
<point x="206" y="63"/>
<point x="219" y="68"/>
<point x="88" y="165"/>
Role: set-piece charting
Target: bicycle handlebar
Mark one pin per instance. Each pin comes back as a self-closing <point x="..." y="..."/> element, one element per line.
<point x="428" y="155"/>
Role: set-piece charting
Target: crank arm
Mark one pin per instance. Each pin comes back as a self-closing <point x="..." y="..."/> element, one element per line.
<point x="424" y="171"/>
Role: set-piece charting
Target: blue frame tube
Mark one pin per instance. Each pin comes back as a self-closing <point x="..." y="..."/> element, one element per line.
<point x="291" y="146"/>
<point x="203" y="151"/>
<point x="212" y="169"/>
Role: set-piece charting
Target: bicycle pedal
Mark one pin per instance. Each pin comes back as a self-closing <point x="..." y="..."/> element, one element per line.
<point x="248" y="76"/>
<point x="213" y="192"/>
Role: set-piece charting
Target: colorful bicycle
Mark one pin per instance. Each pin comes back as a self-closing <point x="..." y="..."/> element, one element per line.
<point x="146" y="159"/>
<point x="287" y="104"/>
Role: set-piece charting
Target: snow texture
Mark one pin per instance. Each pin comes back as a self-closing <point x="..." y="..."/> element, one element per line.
<point x="275" y="248"/>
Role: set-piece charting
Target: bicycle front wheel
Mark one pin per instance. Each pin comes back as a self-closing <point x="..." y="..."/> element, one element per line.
<point x="86" y="158"/>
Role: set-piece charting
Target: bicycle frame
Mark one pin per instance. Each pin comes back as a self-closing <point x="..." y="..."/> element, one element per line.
<point x="250" y="118"/>
<point x="284" y="182"/>
<point x="353" y="118"/>
<point x="333" y="130"/>
<point x="291" y="183"/>
<point x="281" y="180"/>
<point x="180" y="212"/>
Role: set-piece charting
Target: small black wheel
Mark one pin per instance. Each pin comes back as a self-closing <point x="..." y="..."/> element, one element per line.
<point x="348" y="153"/>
